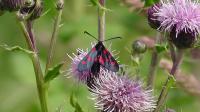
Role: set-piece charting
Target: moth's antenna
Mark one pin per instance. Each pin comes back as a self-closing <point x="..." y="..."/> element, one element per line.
<point x="85" y="32"/>
<point x="113" y="38"/>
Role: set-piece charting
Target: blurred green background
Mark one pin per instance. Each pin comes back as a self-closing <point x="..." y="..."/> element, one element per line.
<point x="17" y="82"/>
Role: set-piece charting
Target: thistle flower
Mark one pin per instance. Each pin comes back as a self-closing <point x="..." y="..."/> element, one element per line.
<point x="152" y="18"/>
<point x="182" y="19"/>
<point x="81" y="76"/>
<point x="85" y="76"/>
<point x="114" y="93"/>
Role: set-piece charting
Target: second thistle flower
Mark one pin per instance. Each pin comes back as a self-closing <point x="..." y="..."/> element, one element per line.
<point x="114" y="93"/>
<point x="181" y="18"/>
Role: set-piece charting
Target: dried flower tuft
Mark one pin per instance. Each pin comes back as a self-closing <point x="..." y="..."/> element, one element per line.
<point x="12" y="5"/>
<point x="34" y="10"/>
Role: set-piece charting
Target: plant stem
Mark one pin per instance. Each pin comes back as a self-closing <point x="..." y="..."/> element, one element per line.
<point x="37" y="68"/>
<point x="153" y="65"/>
<point x="54" y="34"/>
<point x="101" y="24"/>
<point x="101" y="21"/>
<point x="152" y="69"/>
<point x="167" y="86"/>
<point x="172" y="52"/>
<point x="31" y="35"/>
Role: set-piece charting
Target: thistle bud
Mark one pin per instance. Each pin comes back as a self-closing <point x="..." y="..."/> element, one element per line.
<point x="152" y="18"/>
<point x="139" y="47"/>
<point x="12" y="5"/>
<point x="183" y="39"/>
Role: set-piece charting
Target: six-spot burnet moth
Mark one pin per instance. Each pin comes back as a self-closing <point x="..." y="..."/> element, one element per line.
<point x="97" y="57"/>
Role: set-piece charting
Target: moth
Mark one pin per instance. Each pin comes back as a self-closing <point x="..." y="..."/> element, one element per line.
<point x="98" y="56"/>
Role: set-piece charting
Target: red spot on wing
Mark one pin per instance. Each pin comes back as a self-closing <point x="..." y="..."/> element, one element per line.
<point x="93" y="49"/>
<point x="84" y="62"/>
<point x="89" y="58"/>
<point x="101" y="60"/>
<point x="105" y="51"/>
<point x="113" y="63"/>
<point x="96" y="59"/>
<point x="110" y="57"/>
<point x="107" y="60"/>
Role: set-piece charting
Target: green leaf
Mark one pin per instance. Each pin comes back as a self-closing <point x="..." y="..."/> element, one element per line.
<point x="74" y="103"/>
<point x="150" y="2"/>
<point x="135" y="60"/>
<point x="172" y="81"/>
<point x="94" y="2"/>
<point x="160" y="48"/>
<point x="53" y="72"/>
<point x="16" y="48"/>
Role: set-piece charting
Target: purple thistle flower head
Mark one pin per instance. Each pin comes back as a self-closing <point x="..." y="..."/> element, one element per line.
<point x="184" y="15"/>
<point x="81" y="76"/>
<point x="181" y="18"/>
<point x="114" y="93"/>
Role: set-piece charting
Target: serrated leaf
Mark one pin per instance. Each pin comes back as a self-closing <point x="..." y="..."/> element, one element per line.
<point x="53" y="72"/>
<point x="160" y="48"/>
<point x="75" y="104"/>
<point x="16" y="48"/>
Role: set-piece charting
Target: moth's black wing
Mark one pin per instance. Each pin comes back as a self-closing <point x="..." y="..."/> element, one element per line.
<point x="108" y="61"/>
<point x="87" y="62"/>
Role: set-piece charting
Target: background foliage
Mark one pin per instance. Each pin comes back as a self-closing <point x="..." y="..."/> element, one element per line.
<point x="17" y="82"/>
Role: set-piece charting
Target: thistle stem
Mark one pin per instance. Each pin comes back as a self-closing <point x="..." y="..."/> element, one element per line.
<point x="60" y="4"/>
<point x="101" y="21"/>
<point x="167" y="86"/>
<point x="152" y="69"/>
<point x="37" y="68"/>
<point x="153" y="65"/>
<point x="101" y="24"/>
<point x="172" y="52"/>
